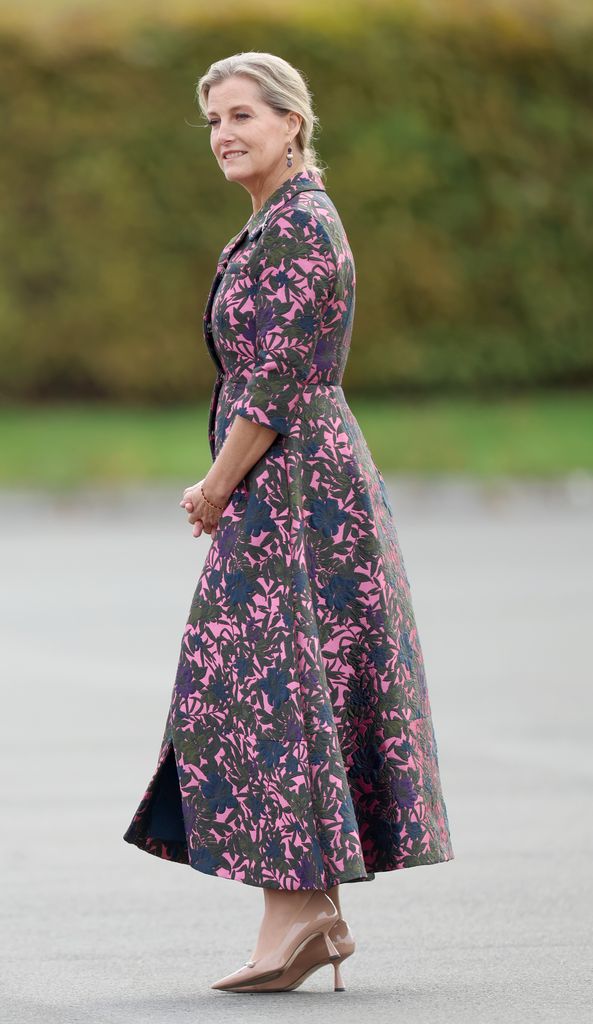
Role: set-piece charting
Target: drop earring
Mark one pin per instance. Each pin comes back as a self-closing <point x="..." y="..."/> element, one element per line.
<point x="289" y="157"/>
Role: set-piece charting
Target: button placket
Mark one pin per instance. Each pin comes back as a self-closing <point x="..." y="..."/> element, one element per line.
<point x="252" y="233"/>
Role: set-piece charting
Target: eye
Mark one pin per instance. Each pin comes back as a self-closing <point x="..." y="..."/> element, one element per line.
<point x="215" y="120"/>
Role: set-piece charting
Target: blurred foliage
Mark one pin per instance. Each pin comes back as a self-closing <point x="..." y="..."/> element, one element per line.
<point x="73" y="443"/>
<point x="458" y="148"/>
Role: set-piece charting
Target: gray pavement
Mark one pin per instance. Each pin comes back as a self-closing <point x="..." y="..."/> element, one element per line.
<point x="95" y="593"/>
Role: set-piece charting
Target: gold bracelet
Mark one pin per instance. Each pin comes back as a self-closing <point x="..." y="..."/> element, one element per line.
<point x="212" y="505"/>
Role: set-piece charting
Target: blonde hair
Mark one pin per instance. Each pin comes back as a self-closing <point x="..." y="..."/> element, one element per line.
<point x="280" y="85"/>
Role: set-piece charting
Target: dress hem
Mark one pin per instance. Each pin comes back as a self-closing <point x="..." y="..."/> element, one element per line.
<point x="177" y="853"/>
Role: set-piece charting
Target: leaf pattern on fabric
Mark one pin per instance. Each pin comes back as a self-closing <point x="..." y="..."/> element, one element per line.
<point x="296" y="276"/>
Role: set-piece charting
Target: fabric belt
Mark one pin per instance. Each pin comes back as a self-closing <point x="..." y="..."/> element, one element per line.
<point x="243" y="381"/>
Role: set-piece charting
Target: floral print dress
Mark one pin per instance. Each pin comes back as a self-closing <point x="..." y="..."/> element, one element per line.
<point x="299" y="749"/>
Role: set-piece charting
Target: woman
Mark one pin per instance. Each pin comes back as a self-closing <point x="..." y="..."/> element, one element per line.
<point x="299" y="751"/>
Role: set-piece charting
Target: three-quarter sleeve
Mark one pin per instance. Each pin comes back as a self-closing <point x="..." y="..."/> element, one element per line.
<point x="297" y="275"/>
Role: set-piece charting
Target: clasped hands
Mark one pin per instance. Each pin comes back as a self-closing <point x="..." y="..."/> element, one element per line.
<point x="203" y="517"/>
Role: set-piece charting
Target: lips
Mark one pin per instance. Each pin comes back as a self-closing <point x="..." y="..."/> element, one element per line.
<point x="233" y="153"/>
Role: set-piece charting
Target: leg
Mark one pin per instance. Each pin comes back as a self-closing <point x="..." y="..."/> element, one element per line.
<point x="334" y="895"/>
<point x="280" y="907"/>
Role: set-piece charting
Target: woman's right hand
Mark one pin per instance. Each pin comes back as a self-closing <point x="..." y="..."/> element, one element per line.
<point x="201" y="515"/>
<point x="198" y="525"/>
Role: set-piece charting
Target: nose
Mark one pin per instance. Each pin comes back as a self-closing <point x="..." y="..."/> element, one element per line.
<point x="222" y="134"/>
<point x="227" y="143"/>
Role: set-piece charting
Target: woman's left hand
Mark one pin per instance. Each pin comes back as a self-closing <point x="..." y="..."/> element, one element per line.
<point x="202" y="515"/>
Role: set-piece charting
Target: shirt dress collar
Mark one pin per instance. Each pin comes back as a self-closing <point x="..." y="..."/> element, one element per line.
<point x="302" y="181"/>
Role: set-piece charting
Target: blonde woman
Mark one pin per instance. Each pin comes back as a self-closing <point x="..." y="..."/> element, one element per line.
<point x="299" y="752"/>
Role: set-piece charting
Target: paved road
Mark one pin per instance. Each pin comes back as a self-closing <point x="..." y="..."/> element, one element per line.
<point x="95" y="594"/>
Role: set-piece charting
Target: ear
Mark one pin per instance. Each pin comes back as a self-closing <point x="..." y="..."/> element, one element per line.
<point x="294" y="121"/>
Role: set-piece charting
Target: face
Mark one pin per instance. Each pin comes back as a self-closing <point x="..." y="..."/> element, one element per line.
<point x="239" y="120"/>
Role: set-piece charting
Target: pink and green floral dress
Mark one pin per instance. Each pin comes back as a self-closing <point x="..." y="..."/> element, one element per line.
<point x="299" y="750"/>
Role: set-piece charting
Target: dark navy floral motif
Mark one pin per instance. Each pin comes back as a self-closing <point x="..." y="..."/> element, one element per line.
<point x="414" y="830"/>
<point x="339" y="592"/>
<point x="367" y="762"/>
<point x="203" y="860"/>
<point x="258" y="517"/>
<point x="274" y="685"/>
<point x="273" y="849"/>
<point x="327" y="516"/>
<point x="270" y="751"/>
<point x="218" y="792"/>
<point x="238" y="588"/>
<point x="385" y="833"/>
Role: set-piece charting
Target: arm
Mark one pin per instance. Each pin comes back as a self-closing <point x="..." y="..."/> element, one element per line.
<point x="244" y="444"/>
<point x="297" y="274"/>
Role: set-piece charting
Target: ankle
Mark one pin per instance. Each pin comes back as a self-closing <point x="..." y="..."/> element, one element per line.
<point x="334" y="895"/>
<point x="282" y="907"/>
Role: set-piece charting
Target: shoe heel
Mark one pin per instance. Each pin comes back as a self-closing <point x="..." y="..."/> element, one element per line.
<point x="338" y="983"/>
<point x="332" y="952"/>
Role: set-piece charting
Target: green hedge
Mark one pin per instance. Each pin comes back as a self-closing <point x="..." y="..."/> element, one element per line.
<point x="459" y="157"/>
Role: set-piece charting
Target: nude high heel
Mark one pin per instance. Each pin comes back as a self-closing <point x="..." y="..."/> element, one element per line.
<point x="304" y="929"/>
<point x="311" y="959"/>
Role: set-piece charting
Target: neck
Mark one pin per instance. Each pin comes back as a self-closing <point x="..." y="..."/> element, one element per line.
<point x="260" y="199"/>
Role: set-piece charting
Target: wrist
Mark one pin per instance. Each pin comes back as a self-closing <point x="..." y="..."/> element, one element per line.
<point x="215" y="494"/>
